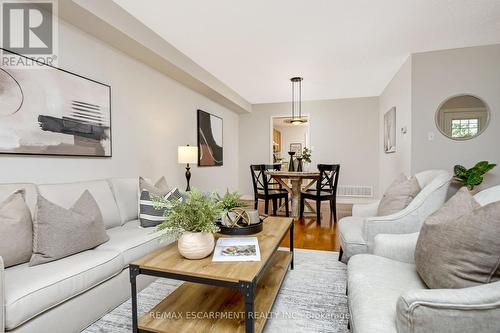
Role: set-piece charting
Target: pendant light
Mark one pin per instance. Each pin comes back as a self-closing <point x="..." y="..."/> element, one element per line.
<point x="296" y="118"/>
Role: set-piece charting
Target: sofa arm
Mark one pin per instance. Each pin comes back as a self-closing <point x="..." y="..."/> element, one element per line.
<point x="404" y="222"/>
<point x="365" y="210"/>
<point x="474" y="309"/>
<point x="400" y="247"/>
<point x="2" y="297"/>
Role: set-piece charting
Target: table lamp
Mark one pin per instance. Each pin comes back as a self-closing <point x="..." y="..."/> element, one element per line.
<point x="185" y="155"/>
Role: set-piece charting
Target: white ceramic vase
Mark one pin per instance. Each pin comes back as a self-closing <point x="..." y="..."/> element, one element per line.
<point x="196" y="245"/>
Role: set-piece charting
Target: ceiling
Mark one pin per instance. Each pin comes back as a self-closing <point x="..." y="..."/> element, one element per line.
<point x="342" y="48"/>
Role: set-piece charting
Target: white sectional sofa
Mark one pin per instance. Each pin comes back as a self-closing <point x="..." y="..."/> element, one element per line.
<point x="69" y="294"/>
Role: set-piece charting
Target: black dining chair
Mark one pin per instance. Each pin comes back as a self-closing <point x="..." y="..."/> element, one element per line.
<point x="326" y="189"/>
<point x="273" y="183"/>
<point x="262" y="187"/>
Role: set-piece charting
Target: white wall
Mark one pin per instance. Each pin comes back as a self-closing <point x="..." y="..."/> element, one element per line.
<point x="151" y="116"/>
<point x="343" y="131"/>
<point x="439" y="75"/>
<point x="396" y="94"/>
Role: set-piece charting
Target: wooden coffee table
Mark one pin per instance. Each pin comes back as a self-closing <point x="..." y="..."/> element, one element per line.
<point x="217" y="296"/>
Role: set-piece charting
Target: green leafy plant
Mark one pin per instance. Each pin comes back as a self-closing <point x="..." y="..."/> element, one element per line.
<point x="306" y="155"/>
<point x="230" y="200"/>
<point x="474" y="176"/>
<point x="196" y="213"/>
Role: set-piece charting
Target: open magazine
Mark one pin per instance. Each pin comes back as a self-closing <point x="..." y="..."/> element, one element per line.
<point x="237" y="249"/>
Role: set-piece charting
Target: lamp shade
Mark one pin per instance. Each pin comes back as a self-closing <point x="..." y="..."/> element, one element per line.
<point x="187" y="154"/>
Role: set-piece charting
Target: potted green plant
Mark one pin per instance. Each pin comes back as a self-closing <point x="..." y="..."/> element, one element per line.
<point x="474" y="176"/>
<point x="227" y="202"/>
<point x="192" y="222"/>
<point x="306" y="157"/>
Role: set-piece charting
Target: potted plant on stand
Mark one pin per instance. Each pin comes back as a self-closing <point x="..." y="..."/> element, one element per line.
<point x="192" y="222"/>
<point x="474" y="176"/>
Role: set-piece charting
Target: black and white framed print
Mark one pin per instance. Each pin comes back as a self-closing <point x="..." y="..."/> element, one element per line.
<point x="50" y="111"/>
<point x="296" y="148"/>
<point x="210" y="145"/>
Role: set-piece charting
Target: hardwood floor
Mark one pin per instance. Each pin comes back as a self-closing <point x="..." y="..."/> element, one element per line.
<point x="317" y="236"/>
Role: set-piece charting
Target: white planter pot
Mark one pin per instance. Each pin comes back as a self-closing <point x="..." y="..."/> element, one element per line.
<point x="196" y="245"/>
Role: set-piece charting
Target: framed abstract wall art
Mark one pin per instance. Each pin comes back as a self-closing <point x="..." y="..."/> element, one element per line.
<point x="50" y="111"/>
<point x="210" y="140"/>
<point x="390" y="131"/>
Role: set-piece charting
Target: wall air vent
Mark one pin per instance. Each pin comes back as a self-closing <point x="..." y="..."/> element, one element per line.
<point x="355" y="191"/>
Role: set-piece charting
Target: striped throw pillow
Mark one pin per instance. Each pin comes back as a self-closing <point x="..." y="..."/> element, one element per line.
<point x="149" y="215"/>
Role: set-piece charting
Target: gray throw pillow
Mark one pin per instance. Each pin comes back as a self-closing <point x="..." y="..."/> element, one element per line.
<point x="61" y="232"/>
<point x="16" y="230"/>
<point x="149" y="215"/>
<point x="459" y="245"/>
<point x="399" y="195"/>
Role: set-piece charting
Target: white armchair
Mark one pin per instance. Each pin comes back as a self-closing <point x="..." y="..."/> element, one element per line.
<point x="387" y="295"/>
<point x="357" y="232"/>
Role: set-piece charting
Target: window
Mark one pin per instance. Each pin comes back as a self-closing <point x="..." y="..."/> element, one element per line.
<point x="464" y="128"/>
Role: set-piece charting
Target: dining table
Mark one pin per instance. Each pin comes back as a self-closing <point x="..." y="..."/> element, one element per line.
<point x="293" y="182"/>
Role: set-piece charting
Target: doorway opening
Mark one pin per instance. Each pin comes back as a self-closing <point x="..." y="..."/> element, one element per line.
<point x="286" y="137"/>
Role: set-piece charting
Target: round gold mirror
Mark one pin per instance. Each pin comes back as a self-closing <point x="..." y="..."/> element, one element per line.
<point x="462" y="117"/>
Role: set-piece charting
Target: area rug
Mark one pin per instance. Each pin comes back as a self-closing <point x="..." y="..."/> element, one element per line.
<point x="311" y="299"/>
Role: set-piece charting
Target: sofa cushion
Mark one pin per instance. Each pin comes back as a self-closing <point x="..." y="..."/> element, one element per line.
<point x="31" y="193"/>
<point x="458" y="246"/>
<point x="132" y="241"/>
<point x="32" y="290"/>
<point x="399" y="195"/>
<point x="16" y="229"/>
<point x="351" y="236"/>
<point x="65" y="195"/>
<point x="126" y="192"/>
<point x="375" y="285"/>
<point x="61" y="232"/>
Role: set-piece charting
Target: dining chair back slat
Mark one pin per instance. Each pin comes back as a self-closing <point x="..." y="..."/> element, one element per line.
<point x="259" y="178"/>
<point x="326" y="189"/>
<point x="329" y="177"/>
<point x="266" y="188"/>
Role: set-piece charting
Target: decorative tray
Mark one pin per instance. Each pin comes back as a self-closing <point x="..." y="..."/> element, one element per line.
<point x="241" y="229"/>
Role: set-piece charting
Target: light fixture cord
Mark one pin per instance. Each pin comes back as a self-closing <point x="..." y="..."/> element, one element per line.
<point x="300" y="99"/>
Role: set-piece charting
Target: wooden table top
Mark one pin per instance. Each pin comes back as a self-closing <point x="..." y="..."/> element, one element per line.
<point x="168" y="259"/>
<point x="294" y="174"/>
